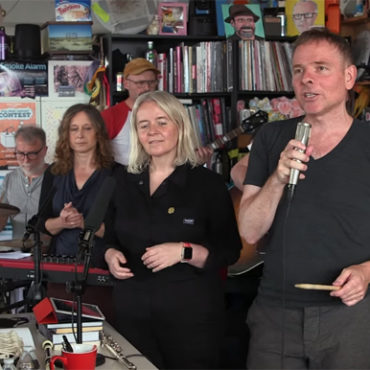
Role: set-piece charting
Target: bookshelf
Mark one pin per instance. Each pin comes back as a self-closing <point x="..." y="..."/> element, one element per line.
<point x="350" y="27"/>
<point x="212" y="108"/>
<point x="226" y="63"/>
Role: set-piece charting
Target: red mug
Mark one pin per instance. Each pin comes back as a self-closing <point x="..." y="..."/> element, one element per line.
<point x="82" y="357"/>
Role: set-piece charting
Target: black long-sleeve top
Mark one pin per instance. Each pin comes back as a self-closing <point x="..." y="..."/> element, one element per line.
<point x="191" y="205"/>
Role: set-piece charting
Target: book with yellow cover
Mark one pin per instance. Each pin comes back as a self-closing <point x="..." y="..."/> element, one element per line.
<point x="70" y="330"/>
<point x="301" y="15"/>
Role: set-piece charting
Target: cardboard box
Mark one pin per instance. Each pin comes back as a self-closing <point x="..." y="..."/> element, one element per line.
<point x="24" y="79"/>
<point x="66" y="37"/>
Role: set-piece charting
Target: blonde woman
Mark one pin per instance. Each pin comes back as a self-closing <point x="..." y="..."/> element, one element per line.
<point x="170" y="229"/>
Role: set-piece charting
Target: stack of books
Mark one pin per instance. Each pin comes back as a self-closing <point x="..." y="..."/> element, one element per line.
<point x="91" y="332"/>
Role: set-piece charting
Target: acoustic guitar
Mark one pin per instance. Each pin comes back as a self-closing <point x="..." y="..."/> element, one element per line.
<point x="250" y="257"/>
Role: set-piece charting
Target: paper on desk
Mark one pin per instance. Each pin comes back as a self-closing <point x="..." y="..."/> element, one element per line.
<point x="25" y="334"/>
<point x="17" y="255"/>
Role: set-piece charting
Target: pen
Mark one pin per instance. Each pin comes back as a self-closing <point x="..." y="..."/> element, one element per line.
<point x="68" y="346"/>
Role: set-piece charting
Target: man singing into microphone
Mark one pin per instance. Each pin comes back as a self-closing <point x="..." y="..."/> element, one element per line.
<point x="319" y="236"/>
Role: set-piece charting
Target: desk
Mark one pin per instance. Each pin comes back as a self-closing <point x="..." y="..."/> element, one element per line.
<point x="129" y="350"/>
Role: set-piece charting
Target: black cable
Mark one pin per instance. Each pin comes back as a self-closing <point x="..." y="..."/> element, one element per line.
<point x="289" y="196"/>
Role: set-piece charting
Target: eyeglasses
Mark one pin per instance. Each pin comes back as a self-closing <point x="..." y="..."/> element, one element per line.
<point x="244" y="19"/>
<point x="29" y="155"/>
<point x="299" y="16"/>
<point x="150" y="83"/>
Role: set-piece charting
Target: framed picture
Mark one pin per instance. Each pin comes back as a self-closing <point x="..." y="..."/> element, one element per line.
<point x="243" y="21"/>
<point x="68" y="78"/>
<point x="303" y="15"/>
<point x="173" y="18"/>
<point x="220" y="17"/>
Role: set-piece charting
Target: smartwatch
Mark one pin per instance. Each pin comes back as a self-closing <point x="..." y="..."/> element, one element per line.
<point x="186" y="252"/>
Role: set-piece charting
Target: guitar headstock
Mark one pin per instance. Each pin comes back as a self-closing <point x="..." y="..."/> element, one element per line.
<point x="251" y="124"/>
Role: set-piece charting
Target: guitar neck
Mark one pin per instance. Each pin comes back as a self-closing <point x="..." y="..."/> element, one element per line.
<point x="249" y="126"/>
<point x="221" y="141"/>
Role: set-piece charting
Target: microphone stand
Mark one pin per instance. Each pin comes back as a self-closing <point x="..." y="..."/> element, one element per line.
<point x="36" y="292"/>
<point x="78" y="285"/>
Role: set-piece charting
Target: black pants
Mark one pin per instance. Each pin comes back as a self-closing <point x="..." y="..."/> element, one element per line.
<point x="316" y="337"/>
<point x="177" y="324"/>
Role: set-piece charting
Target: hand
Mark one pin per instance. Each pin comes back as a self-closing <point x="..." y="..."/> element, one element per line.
<point x="71" y="218"/>
<point x="291" y="157"/>
<point x="160" y="256"/>
<point x="204" y="154"/>
<point x="354" y="282"/>
<point x="115" y="259"/>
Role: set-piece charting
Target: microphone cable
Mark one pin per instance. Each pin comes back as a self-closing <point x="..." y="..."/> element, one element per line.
<point x="289" y="197"/>
<point x="302" y="134"/>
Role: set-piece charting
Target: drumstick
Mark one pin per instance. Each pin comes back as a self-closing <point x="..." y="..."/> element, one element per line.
<point x="317" y="286"/>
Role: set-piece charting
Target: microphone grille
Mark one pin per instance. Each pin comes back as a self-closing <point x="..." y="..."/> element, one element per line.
<point x="303" y="132"/>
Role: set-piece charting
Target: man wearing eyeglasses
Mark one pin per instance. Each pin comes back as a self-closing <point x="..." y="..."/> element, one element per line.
<point x="22" y="186"/>
<point x="139" y="76"/>
<point x="304" y="15"/>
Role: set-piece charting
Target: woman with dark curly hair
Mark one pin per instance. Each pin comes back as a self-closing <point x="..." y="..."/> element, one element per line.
<point x="83" y="159"/>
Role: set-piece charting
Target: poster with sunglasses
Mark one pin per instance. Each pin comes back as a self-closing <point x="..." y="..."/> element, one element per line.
<point x="14" y="113"/>
<point x="301" y="15"/>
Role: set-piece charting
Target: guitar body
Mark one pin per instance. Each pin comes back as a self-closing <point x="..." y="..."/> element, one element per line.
<point x="249" y="257"/>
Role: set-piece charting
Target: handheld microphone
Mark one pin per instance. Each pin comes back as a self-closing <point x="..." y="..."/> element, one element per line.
<point x="302" y="134"/>
<point x="47" y="346"/>
<point x="98" y="210"/>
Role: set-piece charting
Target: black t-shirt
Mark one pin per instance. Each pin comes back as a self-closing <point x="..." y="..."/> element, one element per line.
<point x="327" y="226"/>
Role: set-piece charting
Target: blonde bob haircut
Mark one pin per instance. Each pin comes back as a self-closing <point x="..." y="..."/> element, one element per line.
<point x="187" y="141"/>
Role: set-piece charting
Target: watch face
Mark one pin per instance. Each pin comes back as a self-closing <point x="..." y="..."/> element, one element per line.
<point x="188" y="253"/>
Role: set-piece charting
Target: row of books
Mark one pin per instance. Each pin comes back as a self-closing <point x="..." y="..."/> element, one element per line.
<point x="91" y="332"/>
<point x="265" y="65"/>
<point x="210" y="119"/>
<point x="195" y="68"/>
<point x="208" y="67"/>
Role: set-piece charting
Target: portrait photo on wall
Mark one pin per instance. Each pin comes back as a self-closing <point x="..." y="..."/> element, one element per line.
<point x="301" y="15"/>
<point x="173" y="18"/>
<point x="243" y="21"/>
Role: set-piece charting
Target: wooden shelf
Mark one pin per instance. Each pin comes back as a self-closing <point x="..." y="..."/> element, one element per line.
<point x="356" y="20"/>
<point x="353" y="26"/>
<point x="363" y="83"/>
